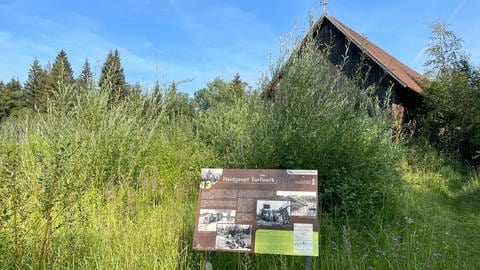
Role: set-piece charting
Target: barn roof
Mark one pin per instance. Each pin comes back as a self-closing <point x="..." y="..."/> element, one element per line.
<point x="406" y="76"/>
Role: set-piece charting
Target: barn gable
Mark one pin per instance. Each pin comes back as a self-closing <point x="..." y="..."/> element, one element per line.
<point x="384" y="71"/>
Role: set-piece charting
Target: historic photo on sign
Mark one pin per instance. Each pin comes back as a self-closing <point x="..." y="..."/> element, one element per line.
<point x="273" y="213"/>
<point x="302" y="203"/>
<point x="210" y="177"/>
<point x="234" y="237"/>
<point x="209" y="218"/>
<point x="259" y="211"/>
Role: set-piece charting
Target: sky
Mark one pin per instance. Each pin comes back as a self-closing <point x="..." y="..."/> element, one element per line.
<point x="192" y="42"/>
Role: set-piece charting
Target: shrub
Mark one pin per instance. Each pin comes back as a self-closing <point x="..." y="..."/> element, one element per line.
<point x="311" y="123"/>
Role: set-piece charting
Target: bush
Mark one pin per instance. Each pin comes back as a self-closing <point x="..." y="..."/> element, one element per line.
<point x="310" y="123"/>
<point x="449" y="116"/>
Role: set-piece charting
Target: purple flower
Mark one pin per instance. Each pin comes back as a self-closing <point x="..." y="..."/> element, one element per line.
<point x="370" y="268"/>
<point x="436" y="255"/>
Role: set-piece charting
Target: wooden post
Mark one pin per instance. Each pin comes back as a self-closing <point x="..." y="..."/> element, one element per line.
<point x="308" y="263"/>
<point x="208" y="261"/>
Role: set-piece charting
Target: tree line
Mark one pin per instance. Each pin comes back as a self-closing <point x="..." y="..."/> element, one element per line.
<point x="44" y="82"/>
<point x="447" y="118"/>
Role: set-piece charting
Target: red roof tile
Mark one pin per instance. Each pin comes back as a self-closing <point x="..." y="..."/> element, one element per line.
<point x="403" y="74"/>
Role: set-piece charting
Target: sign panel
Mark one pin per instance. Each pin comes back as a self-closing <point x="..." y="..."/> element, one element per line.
<point x="258" y="211"/>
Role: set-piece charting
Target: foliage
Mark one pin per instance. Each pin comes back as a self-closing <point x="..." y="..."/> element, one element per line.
<point x="70" y="176"/>
<point x="12" y="99"/>
<point x="112" y="78"/>
<point x="450" y="117"/>
<point x="61" y="74"/>
<point x="312" y="124"/>
<point x="226" y="128"/>
<point x="35" y="87"/>
<point x="86" y="76"/>
<point x="444" y="49"/>
<point x="451" y="101"/>
<point x="219" y="91"/>
<point x="95" y="184"/>
<point x="176" y="103"/>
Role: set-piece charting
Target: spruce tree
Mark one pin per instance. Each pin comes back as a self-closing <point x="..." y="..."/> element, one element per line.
<point x="3" y="101"/>
<point x="86" y="76"/>
<point x="112" y="79"/>
<point x="35" y="87"/>
<point x="61" y="74"/>
<point x="12" y="98"/>
<point x="237" y="87"/>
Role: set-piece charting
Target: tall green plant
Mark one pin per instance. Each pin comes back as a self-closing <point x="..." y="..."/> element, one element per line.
<point x="314" y="122"/>
<point x="449" y="115"/>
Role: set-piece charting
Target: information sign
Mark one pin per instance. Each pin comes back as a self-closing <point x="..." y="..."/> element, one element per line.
<point x="258" y="211"/>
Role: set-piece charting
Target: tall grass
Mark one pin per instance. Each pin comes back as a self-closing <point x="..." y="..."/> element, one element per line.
<point x="89" y="185"/>
<point x="385" y="205"/>
<point x="312" y="123"/>
<point x="95" y="185"/>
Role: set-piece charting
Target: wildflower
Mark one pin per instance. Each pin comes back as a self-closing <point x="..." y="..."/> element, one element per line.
<point x="436" y="255"/>
<point x="370" y="268"/>
<point x="409" y="220"/>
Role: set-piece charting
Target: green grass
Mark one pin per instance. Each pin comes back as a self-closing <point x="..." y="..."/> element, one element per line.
<point x="89" y="185"/>
<point x="137" y="211"/>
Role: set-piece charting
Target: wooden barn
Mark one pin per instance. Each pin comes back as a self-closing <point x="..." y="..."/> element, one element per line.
<point x="384" y="71"/>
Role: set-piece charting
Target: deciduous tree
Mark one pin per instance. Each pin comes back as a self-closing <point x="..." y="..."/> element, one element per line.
<point x="451" y="101"/>
<point x="219" y="91"/>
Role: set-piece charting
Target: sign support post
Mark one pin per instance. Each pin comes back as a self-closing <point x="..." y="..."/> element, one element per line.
<point x="208" y="261"/>
<point x="308" y="263"/>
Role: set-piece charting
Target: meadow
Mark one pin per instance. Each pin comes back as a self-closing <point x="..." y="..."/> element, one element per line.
<point x="95" y="185"/>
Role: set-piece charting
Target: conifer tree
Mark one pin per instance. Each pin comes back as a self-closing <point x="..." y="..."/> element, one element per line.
<point x="61" y="74"/>
<point x="112" y="79"/>
<point x="237" y="87"/>
<point x="3" y="100"/>
<point x="35" y="87"/>
<point x="12" y="98"/>
<point x="86" y="76"/>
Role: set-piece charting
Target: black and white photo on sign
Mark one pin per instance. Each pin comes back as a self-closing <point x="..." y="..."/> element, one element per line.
<point x="273" y="213"/>
<point x="210" y="177"/>
<point x="234" y="237"/>
<point x="211" y="174"/>
<point x="209" y="218"/>
<point x="302" y="203"/>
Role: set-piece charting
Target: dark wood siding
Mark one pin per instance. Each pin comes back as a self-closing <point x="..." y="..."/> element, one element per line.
<point x="360" y="68"/>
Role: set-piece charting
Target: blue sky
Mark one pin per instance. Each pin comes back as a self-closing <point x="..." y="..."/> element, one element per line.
<point x="196" y="41"/>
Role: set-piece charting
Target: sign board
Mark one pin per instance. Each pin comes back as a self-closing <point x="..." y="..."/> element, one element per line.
<point x="258" y="211"/>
